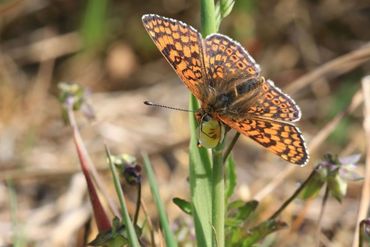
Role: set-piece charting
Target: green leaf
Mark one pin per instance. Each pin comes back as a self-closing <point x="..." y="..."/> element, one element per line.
<point x="218" y="14"/>
<point x="200" y="176"/>
<point x="262" y="230"/>
<point x="239" y="211"/>
<point x="116" y="236"/>
<point x="168" y="235"/>
<point x="237" y="235"/>
<point x="222" y="9"/>
<point x="246" y="210"/>
<point x="225" y="7"/>
<point x="230" y="177"/>
<point x="108" y="239"/>
<point x="233" y="222"/>
<point x="184" y="205"/>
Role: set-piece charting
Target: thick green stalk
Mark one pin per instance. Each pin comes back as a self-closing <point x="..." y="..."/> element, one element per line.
<point x="200" y="176"/>
<point x="207" y="17"/>
<point x="208" y="22"/>
<point x="218" y="196"/>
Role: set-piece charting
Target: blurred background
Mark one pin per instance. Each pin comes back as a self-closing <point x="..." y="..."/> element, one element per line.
<point x="103" y="46"/>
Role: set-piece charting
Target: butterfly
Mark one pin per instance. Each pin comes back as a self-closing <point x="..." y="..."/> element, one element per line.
<point x="227" y="81"/>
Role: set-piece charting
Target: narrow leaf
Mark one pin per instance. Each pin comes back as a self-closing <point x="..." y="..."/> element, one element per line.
<point x="218" y="15"/>
<point x="184" y="205"/>
<point x="262" y="230"/>
<point x="132" y="237"/>
<point x="168" y="235"/>
<point x="225" y="7"/>
<point x="94" y="26"/>
<point x="230" y="178"/>
<point x="246" y="210"/>
<point x="239" y="211"/>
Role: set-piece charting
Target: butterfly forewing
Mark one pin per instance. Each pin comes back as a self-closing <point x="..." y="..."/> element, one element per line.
<point x="181" y="45"/>
<point x="227" y="62"/>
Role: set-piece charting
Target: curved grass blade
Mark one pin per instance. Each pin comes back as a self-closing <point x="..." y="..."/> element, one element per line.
<point x="132" y="237"/>
<point x="168" y="235"/>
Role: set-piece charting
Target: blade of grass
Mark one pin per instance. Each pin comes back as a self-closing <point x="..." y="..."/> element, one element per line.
<point x="230" y="177"/>
<point x="94" y="24"/>
<point x="18" y="236"/>
<point x="168" y="235"/>
<point x="132" y="237"/>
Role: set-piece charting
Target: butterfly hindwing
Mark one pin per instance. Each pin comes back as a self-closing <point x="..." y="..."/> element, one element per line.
<point x="181" y="45"/>
<point x="280" y="138"/>
<point x="272" y="103"/>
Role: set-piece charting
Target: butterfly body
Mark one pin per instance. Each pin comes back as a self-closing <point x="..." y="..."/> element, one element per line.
<point x="233" y="100"/>
<point x="227" y="81"/>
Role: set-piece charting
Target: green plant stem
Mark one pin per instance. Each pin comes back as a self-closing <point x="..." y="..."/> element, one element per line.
<point x="295" y="194"/>
<point x="207" y="17"/>
<point x="200" y="177"/>
<point x="324" y="200"/>
<point x="208" y="22"/>
<point x="218" y="197"/>
<point x="361" y="234"/>
<point x="18" y="236"/>
<point x="132" y="237"/>
<point x="138" y="200"/>
<point x="231" y="145"/>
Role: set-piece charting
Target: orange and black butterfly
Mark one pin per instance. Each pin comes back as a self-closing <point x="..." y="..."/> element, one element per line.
<point x="227" y="81"/>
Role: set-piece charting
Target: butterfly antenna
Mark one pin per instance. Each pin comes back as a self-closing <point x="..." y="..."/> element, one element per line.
<point x="167" y="107"/>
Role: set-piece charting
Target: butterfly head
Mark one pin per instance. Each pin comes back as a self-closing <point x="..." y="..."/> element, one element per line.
<point x="210" y="131"/>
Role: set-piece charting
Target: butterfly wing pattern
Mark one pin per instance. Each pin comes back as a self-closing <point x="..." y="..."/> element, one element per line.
<point x="224" y="59"/>
<point x="275" y="104"/>
<point x="280" y="138"/>
<point x="181" y="45"/>
<point x="218" y="69"/>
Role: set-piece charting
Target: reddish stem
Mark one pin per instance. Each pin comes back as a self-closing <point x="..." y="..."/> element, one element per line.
<point x="101" y="217"/>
